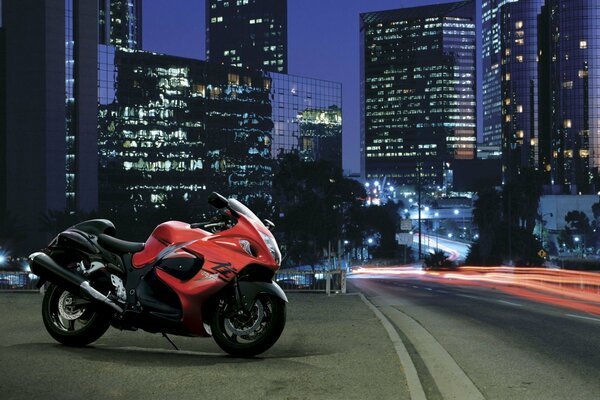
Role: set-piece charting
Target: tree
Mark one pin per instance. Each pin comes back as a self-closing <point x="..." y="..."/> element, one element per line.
<point x="314" y="207"/>
<point x="506" y="220"/>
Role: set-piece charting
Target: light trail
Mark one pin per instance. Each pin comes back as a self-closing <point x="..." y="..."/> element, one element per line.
<point x="570" y="289"/>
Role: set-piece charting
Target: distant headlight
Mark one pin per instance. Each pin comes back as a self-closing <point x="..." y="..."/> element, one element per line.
<point x="272" y="246"/>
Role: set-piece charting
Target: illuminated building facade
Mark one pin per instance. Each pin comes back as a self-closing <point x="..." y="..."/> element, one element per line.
<point x="120" y="23"/>
<point x="247" y="33"/>
<point x="520" y="85"/>
<point x="177" y="128"/>
<point x="307" y="118"/>
<point x="569" y="98"/>
<point x="492" y="80"/>
<point x="418" y="108"/>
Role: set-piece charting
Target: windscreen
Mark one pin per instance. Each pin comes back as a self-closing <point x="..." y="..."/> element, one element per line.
<point x="243" y="210"/>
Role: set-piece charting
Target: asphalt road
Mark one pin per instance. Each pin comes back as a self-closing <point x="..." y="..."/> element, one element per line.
<point x="332" y="348"/>
<point x="508" y="347"/>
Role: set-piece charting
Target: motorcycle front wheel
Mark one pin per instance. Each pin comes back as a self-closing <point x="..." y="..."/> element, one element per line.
<point x="71" y="320"/>
<point x="250" y="333"/>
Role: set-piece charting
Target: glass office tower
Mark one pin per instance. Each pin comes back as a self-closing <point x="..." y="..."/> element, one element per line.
<point x="247" y="33"/>
<point x="418" y="108"/>
<point x="492" y="57"/>
<point x="519" y="83"/>
<point x="570" y="104"/>
<point x="175" y="128"/>
<point x="120" y="23"/>
<point x="307" y="118"/>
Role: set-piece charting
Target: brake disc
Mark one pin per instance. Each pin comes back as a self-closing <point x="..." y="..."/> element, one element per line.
<point x="67" y="309"/>
<point x="247" y="328"/>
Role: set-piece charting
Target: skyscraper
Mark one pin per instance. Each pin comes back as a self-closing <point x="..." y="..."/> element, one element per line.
<point x="519" y="85"/>
<point x="492" y="57"/>
<point x="49" y="127"/>
<point x="569" y="98"/>
<point x="418" y="108"/>
<point x="247" y="33"/>
<point x="120" y="23"/>
<point x="49" y="137"/>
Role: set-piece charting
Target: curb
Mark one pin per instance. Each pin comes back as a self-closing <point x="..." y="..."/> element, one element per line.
<point x="412" y="378"/>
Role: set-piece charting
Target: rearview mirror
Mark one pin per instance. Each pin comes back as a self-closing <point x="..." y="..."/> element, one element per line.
<point x="218" y="201"/>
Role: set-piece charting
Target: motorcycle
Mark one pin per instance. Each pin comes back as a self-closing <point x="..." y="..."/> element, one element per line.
<point x="213" y="278"/>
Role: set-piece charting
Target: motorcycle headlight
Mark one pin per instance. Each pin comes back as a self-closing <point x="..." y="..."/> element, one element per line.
<point x="272" y="246"/>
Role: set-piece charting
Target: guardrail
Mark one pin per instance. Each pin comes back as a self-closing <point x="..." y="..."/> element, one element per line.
<point x="17" y="280"/>
<point x="328" y="281"/>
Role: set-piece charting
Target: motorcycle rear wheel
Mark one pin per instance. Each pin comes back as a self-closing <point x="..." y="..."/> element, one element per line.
<point x="249" y="335"/>
<point x="71" y="320"/>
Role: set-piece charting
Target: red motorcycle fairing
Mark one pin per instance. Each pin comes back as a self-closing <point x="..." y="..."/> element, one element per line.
<point x="224" y="258"/>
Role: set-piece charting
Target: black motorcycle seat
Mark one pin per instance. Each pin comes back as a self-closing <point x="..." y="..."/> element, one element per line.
<point x="119" y="246"/>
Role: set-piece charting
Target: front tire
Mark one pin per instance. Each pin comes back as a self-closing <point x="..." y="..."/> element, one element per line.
<point x="249" y="335"/>
<point x="71" y="320"/>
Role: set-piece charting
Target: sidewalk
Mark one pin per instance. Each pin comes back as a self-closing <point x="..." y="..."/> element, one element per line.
<point x="332" y="348"/>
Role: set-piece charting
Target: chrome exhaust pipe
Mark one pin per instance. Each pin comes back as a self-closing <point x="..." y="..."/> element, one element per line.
<point x="43" y="266"/>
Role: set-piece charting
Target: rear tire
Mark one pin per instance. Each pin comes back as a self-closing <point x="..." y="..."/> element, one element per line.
<point x="250" y="335"/>
<point x="71" y="320"/>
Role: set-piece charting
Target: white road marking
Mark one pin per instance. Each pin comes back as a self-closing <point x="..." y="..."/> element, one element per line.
<point x="415" y="387"/>
<point x="470" y="297"/>
<point x="510" y="303"/>
<point x="582" y="317"/>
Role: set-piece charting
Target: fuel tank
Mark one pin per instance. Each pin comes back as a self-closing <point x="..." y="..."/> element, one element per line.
<point x="168" y="234"/>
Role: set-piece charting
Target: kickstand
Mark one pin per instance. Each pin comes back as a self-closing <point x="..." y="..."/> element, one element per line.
<point x="170" y="341"/>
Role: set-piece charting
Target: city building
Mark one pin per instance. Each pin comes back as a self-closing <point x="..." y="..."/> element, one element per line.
<point x="247" y="33"/>
<point x="120" y="23"/>
<point x="520" y="86"/>
<point x="569" y="97"/>
<point x="49" y="133"/>
<point x="307" y="118"/>
<point x="418" y="76"/>
<point x="49" y="114"/>
<point x="175" y="128"/>
<point x="491" y="79"/>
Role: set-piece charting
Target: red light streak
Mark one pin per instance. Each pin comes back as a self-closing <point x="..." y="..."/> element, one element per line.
<point x="570" y="289"/>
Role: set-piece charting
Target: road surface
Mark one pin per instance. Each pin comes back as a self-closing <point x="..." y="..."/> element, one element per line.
<point x="504" y="346"/>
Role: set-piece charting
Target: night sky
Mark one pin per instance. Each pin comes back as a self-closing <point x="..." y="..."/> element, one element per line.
<point x="323" y="41"/>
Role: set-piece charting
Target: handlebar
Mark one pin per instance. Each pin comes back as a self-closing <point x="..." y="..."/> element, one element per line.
<point x="216" y="222"/>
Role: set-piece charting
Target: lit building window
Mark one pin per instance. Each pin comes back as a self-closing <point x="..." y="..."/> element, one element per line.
<point x="519" y="108"/>
<point x="583" y="44"/>
<point x="567" y="123"/>
<point x="519" y="25"/>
